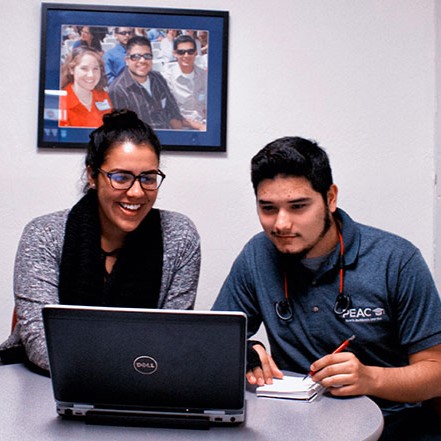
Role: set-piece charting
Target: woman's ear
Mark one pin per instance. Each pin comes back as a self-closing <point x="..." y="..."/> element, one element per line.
<point x="90" y="178"/>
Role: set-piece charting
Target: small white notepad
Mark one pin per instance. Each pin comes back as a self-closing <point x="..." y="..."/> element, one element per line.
<point x="293" y="388"/>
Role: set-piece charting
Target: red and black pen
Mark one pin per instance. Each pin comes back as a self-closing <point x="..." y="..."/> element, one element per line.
<point x="339" y="349"/>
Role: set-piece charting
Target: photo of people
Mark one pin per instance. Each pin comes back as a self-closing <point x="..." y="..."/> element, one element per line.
<point x="161" y="74"/>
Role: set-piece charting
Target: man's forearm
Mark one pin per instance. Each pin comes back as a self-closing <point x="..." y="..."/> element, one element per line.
<point x="419" y="381"/>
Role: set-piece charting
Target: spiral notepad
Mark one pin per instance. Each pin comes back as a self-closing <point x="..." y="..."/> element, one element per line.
<point x="293" y="388"/>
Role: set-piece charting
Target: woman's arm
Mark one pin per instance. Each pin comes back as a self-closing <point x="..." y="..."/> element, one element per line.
<point x="36" y="276"/>
<point x="182" y="262"/>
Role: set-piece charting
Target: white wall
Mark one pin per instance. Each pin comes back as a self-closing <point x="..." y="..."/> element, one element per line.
<point x="356" y="75"/>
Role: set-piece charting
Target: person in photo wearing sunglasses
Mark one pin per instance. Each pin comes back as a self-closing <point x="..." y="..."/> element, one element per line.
<point x="315" y="277"/>
<point x="115" y="58"/>
<point x="188" y="83"/>
<point x="112" y="248"/>
<point x="145" y="91"/>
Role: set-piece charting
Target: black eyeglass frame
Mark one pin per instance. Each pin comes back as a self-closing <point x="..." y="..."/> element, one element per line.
<point x="126" y="33"/>
<point x="134" y="178"/>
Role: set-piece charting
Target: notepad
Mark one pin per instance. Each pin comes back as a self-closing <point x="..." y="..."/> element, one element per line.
<point x="293" y="388"/>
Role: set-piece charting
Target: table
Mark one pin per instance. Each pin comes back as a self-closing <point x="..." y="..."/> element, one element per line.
<point x="27" y="412"/>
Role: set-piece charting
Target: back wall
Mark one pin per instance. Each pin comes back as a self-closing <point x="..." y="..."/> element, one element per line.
<point x="357" y="76"/>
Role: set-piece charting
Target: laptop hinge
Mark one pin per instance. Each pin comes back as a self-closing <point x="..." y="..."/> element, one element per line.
<point x="215" y="412"/>
<point x="112" y="419"/>
<point x="81" y="409"/>
<point x="83" y="406"/>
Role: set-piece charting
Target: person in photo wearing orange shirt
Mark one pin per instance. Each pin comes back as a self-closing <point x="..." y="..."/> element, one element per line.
<point x="85" y="100"/>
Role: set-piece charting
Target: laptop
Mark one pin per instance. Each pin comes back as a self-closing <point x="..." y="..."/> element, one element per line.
<point x="147" y="366"/>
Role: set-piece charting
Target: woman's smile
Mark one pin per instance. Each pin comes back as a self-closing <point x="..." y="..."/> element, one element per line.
<point x="121" y="211"/>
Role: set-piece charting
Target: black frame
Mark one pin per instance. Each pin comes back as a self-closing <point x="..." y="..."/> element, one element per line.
<point x="54" y="16"/>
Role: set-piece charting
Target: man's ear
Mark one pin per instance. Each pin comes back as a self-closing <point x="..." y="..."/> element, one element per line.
<point x="332" y="198"/>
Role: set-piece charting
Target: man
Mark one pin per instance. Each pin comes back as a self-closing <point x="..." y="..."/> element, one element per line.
<point x="144" y="91"/>
<point x="166" y="45"/>
<point x="315" y="277"/>
<point x="188" y="83"/>
<point x="115" y="58"/>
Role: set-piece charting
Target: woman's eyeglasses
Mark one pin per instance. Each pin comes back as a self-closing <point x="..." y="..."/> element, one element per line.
<point x="150" y="180"/>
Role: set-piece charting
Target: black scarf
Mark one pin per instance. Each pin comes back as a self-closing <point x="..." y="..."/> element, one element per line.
<point x="135" y="280"/>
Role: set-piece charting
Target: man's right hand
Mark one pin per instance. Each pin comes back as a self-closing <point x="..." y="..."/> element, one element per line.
<point x="265" y="374"/>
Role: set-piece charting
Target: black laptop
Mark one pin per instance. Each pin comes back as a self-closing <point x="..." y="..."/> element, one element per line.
<point x="147" y="366"/>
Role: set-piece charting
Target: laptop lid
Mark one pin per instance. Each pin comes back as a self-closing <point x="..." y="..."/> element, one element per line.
<point x="123" y="361"/>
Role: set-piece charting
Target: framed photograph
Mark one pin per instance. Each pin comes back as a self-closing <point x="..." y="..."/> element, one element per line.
<point x="168" y="65"/>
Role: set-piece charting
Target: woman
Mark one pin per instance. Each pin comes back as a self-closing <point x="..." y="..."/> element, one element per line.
<point x="83" y="81"/>
<point x="112" y="248"/>
<point x="91" y="36"/>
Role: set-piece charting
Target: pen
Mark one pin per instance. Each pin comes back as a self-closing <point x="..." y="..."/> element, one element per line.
<point x="339" y="349"/>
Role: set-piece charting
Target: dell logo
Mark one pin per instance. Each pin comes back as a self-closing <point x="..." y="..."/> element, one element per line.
<point x="145" y="365"/>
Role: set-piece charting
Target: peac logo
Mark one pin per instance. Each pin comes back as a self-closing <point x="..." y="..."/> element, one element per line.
<point x="364" y="314"/>
<point x="145" y="365"/>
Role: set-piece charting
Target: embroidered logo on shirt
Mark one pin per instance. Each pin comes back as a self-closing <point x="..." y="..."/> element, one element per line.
<point x="364" y="314"/>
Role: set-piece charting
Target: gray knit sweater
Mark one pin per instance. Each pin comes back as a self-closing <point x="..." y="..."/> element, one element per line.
<point x="38" y="261"/>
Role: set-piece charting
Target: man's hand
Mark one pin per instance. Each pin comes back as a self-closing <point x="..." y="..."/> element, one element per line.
<point x="343" y="374"/>
<point x="263" y="375"/>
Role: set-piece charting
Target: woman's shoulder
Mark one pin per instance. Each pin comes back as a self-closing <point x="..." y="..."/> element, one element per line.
<point x="43" y="234"/>
<point x="178" y="229"/>
<point x="175" y="220"/>
<point x="55" y="221"/>
<point x="179" y="233"/>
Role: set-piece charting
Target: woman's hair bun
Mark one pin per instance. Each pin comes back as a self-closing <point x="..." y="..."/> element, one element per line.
<point x="121" y="118"/>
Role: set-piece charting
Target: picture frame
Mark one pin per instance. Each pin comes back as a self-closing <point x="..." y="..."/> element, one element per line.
<point x="63" y="29"/>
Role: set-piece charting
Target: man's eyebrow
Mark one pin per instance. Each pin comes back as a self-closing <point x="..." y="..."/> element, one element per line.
<point x="291" y="201"/>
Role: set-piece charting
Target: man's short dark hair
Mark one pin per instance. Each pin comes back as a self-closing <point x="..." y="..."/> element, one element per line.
<point x="138" y="41"/>
<point x="183" y="39"/>
<point x="293" y="156"/>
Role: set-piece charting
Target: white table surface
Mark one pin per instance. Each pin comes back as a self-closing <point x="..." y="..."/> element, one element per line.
<point x="27" y="412"/>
